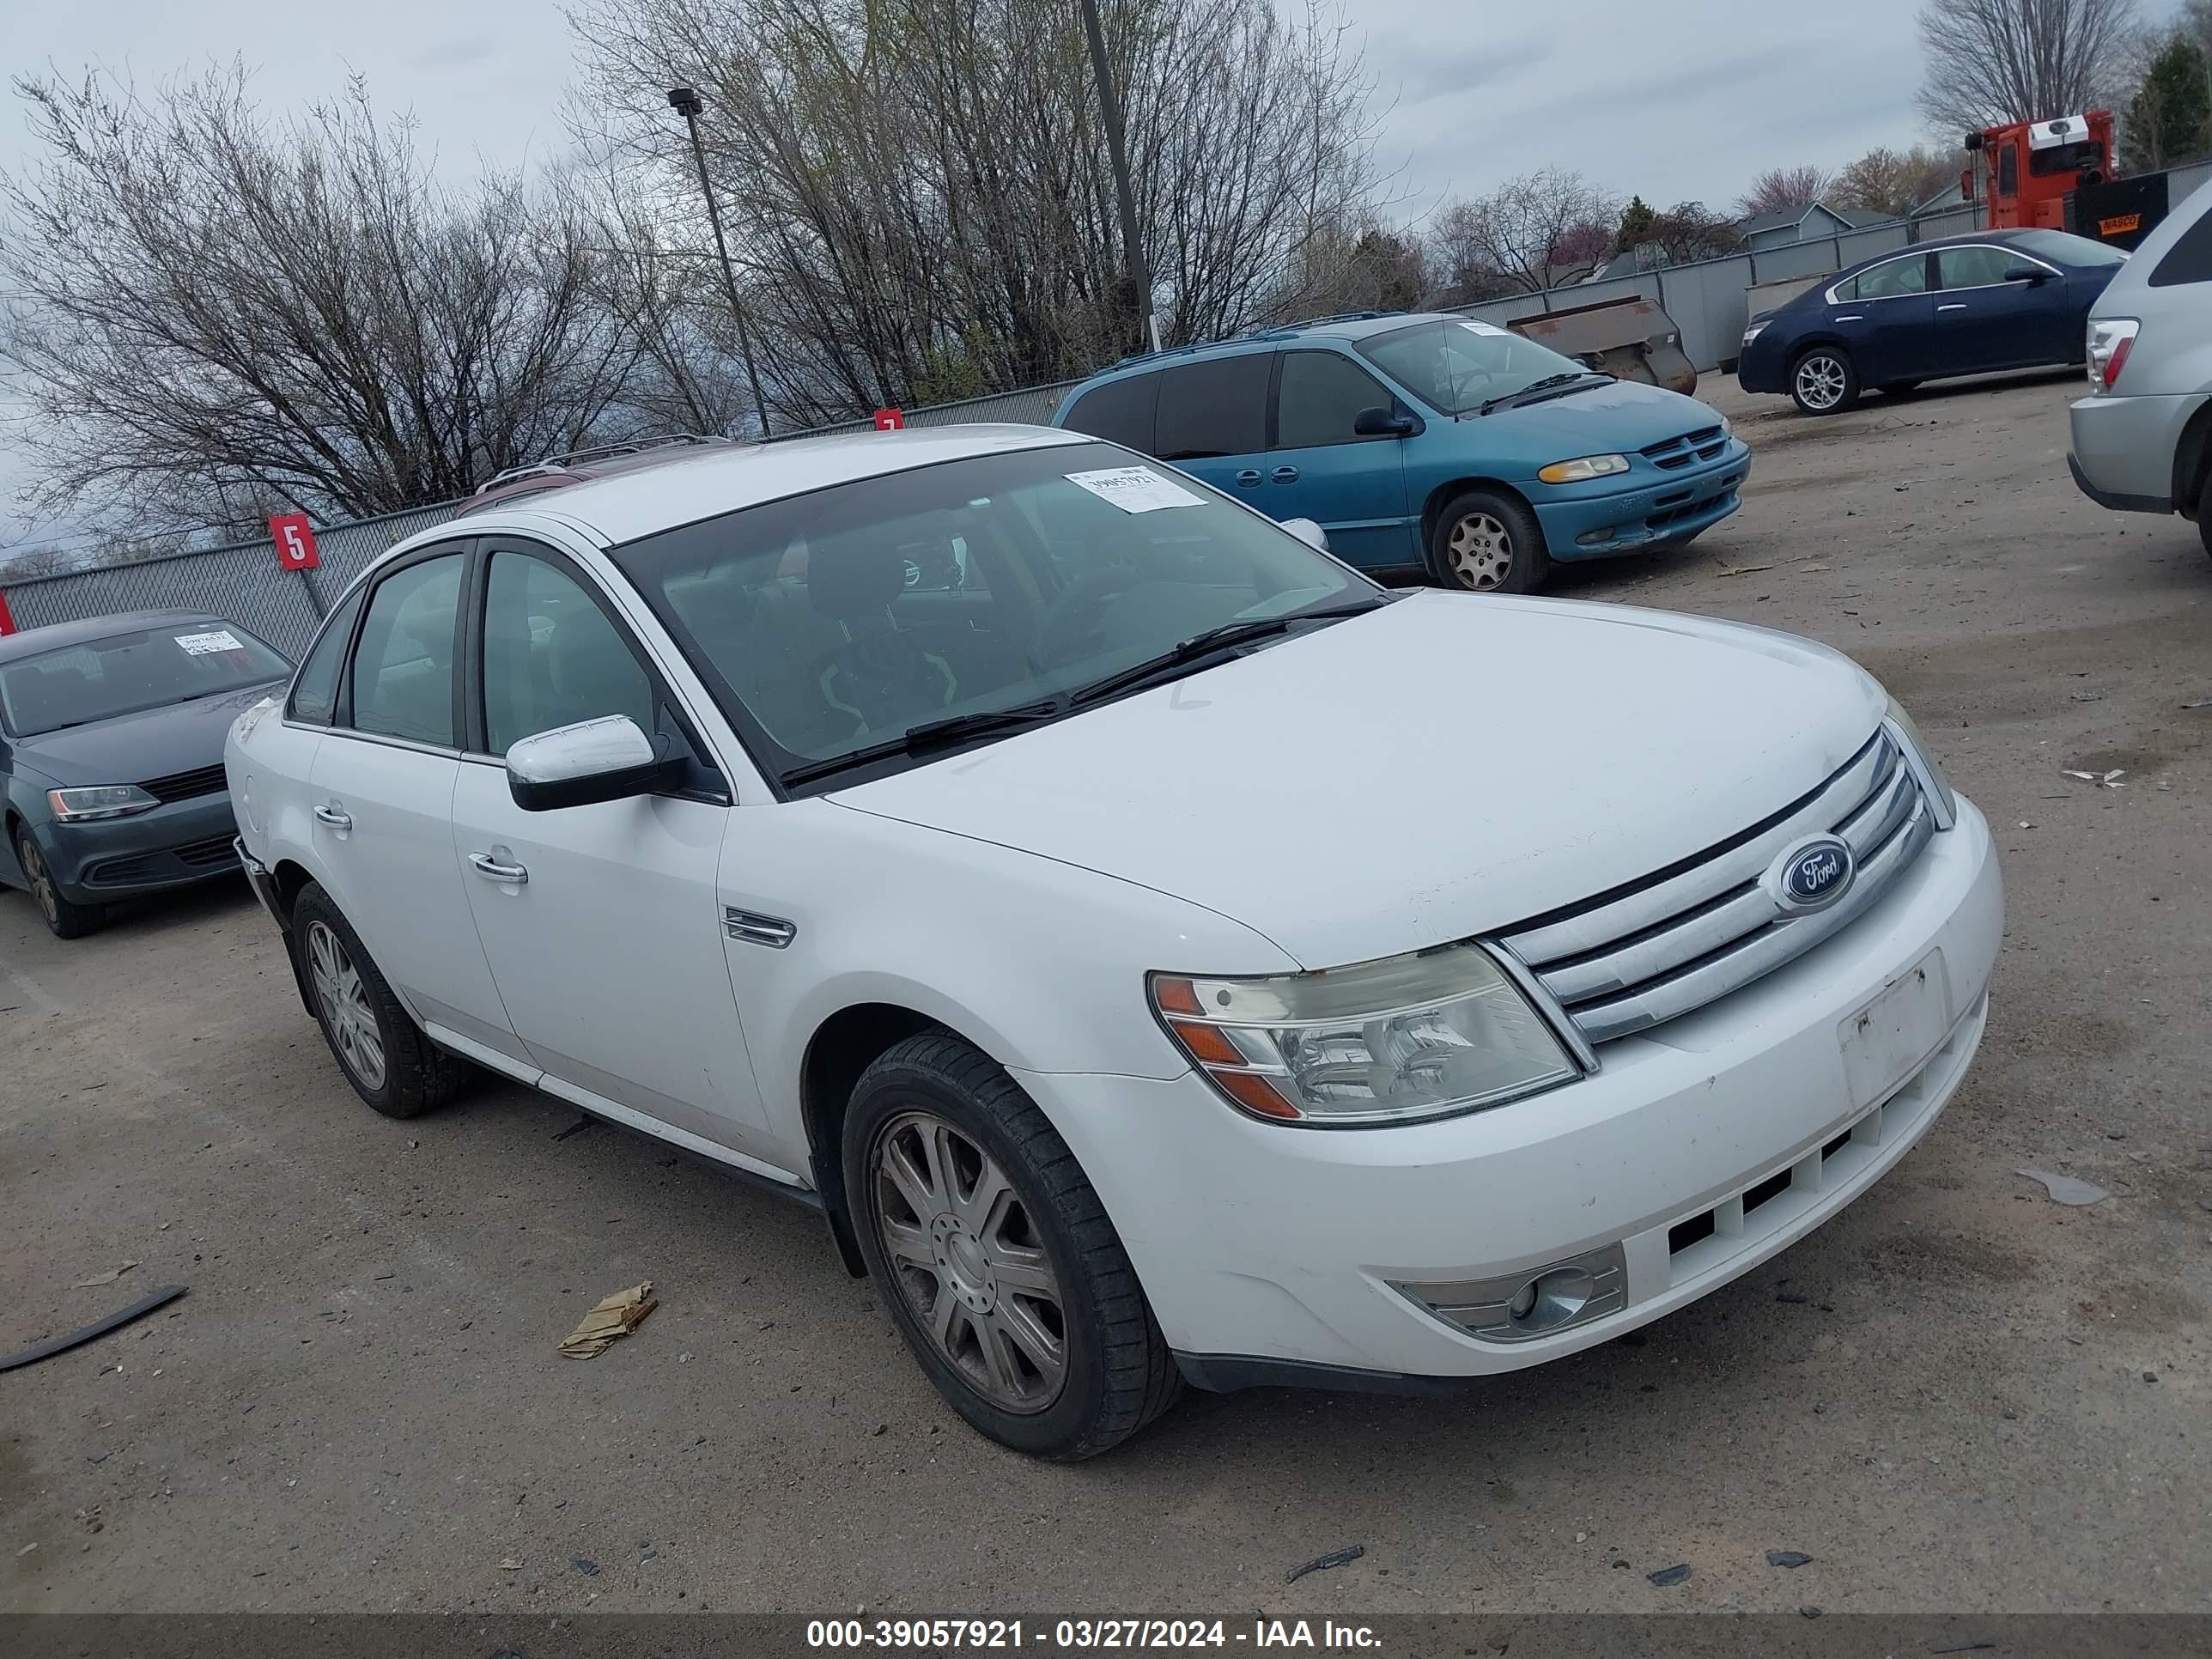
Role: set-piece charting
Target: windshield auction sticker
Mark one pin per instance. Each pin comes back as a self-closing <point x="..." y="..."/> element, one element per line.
<point x="206" y="645"/>
<point x="1134" y="488"/>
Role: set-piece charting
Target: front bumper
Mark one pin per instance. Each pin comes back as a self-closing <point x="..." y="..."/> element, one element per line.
<point x="1268" y="1251"/>
<point x="1654" y="510"/>
<point x="2122" y="450"/>
<point x="169" y="846"/>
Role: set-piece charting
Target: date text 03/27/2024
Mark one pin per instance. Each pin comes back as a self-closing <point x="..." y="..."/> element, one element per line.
<point x="955" y="1634"/>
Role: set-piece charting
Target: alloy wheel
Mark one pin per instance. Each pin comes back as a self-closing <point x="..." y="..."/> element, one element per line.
<point x="970" y="1261"/>
<point x="42" y="883"/>
<point x="345" y="1005"/>
<point x="1820" y="381"/>
<point x="1481" y="551"/>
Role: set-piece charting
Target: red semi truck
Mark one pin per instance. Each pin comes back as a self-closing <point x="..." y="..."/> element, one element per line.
<point x="2026" y="171"/>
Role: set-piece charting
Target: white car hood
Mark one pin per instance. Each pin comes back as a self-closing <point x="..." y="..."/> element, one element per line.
<point x="1445" y="766"/>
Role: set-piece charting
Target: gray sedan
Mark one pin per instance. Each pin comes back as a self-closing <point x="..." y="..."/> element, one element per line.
<point x="111" y="751"/>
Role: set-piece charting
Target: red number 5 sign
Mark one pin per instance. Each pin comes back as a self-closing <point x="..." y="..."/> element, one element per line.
<point x="295" y="541"/>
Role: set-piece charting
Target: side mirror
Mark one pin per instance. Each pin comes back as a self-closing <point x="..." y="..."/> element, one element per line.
<point x="2033" y="276"/>
<point x="1379" y="423"/>
<point x="604" y="759"/>
<point x="1309" y="533"/>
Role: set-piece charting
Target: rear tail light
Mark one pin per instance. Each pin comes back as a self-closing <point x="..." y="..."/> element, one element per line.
<point x="2110" y="343"/>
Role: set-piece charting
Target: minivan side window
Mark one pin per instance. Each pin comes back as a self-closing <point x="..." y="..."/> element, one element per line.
<point x="2189" y="260"/>
<point x="315" y="693"/>
<point x="1121" y="412"/>
<point x="402" y="669"/>
<point x="1216" y="407"/>
<point x="1319" y="397"/>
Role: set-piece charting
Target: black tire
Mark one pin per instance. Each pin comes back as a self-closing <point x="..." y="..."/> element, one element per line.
<point x="414" y="1074"/>
<point x="1117" y="1374"/>
<point x="1473" y="567"/>
<point x="2204" y="512"/>
<point x="63" y="916"/>
<point x="1900" y="388"/>
<point x="1833" y="381"/>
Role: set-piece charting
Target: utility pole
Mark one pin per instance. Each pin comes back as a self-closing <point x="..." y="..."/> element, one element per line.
<point x="686" y="102"/>
<point x="1110" y="111"/>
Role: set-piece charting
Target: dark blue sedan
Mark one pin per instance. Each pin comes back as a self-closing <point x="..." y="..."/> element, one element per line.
<point x="1970" y="305"/>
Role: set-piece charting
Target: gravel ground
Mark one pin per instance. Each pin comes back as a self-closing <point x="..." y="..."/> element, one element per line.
<point x="1957" y="1396"/>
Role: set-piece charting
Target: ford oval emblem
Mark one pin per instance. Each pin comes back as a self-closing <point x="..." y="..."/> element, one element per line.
<point x="1811" y="874"/>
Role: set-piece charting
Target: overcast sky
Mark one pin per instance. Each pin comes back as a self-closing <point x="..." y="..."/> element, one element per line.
<point x="1686" y="100"/>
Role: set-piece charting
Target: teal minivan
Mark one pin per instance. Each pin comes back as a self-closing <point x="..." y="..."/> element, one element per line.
<point x="1433" y="441"/>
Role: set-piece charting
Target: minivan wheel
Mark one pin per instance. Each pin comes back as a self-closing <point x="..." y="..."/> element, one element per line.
<point x="999" y="1264"/>
<point x="389" y="1063"/>
<point x="1486" y="542"/>
<point x="63" y="916"/>
<point x="2204" y="512"/>
<point x="1823" y="381"/>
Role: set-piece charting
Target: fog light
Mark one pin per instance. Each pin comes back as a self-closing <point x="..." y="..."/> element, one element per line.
<point x="1555" y="1299"/>
<point x="1523" y="1306"/>
<point x="1523" y="1303"/>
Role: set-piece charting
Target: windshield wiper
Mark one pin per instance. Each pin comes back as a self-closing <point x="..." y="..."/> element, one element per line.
<point x="932" y="734"/>
<point x="1549" y="383"/>
<point x="1213" y="642"/>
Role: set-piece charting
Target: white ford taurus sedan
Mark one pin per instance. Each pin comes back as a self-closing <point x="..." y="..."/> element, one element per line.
<point x="1163" y="954"/>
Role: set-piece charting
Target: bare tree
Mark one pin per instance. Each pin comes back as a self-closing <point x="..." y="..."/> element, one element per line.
<point x="1689" y="231"/>
<point x="1780" y="189"/>
<point x="1993" y="62"/>
<point x="917" y="189"/>
<point x="1516" y="234"/>
<point x="1895" y="182"/>
<point x="27" y="562"/>
<point x="216" y="314"/>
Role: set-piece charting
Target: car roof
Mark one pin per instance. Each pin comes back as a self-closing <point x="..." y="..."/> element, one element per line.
<point x="1350" y="326"/>
<point x="54" y="635"/>
<point x="626" y="505"/>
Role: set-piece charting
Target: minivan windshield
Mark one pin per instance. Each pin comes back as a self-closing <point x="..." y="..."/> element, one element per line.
<point x="127" y="673"/>
<point x="1457" y="365"/>
<point x="868" y="625"/>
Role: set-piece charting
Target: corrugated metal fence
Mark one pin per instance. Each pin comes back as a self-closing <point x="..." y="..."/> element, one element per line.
<point x="1708" y="301"/>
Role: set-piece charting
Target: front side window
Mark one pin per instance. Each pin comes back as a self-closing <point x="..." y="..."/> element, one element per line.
<point x="551" y="657"/>
<point x="1088" y="561"/>
<point x="1973" y="267"/>
<point x="1319" y="397"/>
<point x="1895" y="279"/>
<point x="402" y="669"/>
<point x="1457" y="367"/>
<point x="129" y="673"/>
<point x="1216" y="407"/>
<point x="315" y="693"/>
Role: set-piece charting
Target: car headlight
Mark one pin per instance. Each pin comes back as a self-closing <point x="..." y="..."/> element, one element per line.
<point x="1409" y="1037"/>
<point x="1585" y="466"/>
<point x="99" y="800"/>
<point x="1754" y="332"/>
<point x="1941" y="800"/>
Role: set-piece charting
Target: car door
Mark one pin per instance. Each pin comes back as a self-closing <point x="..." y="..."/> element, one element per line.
<point x="1319" y="468"/>
<point x="1886" y="316"/>
<point x="381" y="798"/>
<point x="600" y="921"/>
<point x="1213" y="421"/>
<point x="1984" y="322"/>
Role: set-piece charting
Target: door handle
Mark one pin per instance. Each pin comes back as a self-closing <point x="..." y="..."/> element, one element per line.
<point x="1247" y="476"/>
<point x="1284" y="475"/>
<point x="492" y="869"/>
<point x="1957" y="306"/>
<point x="335" y="819"/>
<point x="1856" y="317"/>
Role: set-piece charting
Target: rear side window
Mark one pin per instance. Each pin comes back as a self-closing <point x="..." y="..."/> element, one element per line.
<point x="1219" y="407"/>
<point x="2189" y="260"/>
<point x="1121" y="412"/>
<point x="315" y="693"/>
<point x="1320" y="396"/>
<point x="402" y="669"/>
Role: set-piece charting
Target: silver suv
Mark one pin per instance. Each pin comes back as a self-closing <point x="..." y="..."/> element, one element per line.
<point x="2142" y="441"/>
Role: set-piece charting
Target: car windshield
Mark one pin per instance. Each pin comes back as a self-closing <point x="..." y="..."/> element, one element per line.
<point x="2068" y="250"/>
<point x="999" y="586"/>
<point x="1459" y="365"/>
<point x="126" y="673"/>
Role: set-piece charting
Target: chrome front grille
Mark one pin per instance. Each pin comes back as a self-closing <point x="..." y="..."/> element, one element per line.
<point x="1650" y="952"/>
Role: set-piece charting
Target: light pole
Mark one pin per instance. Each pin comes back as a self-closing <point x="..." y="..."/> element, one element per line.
<point x="686" y="102"/>
<point x="1117" y="149"/>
